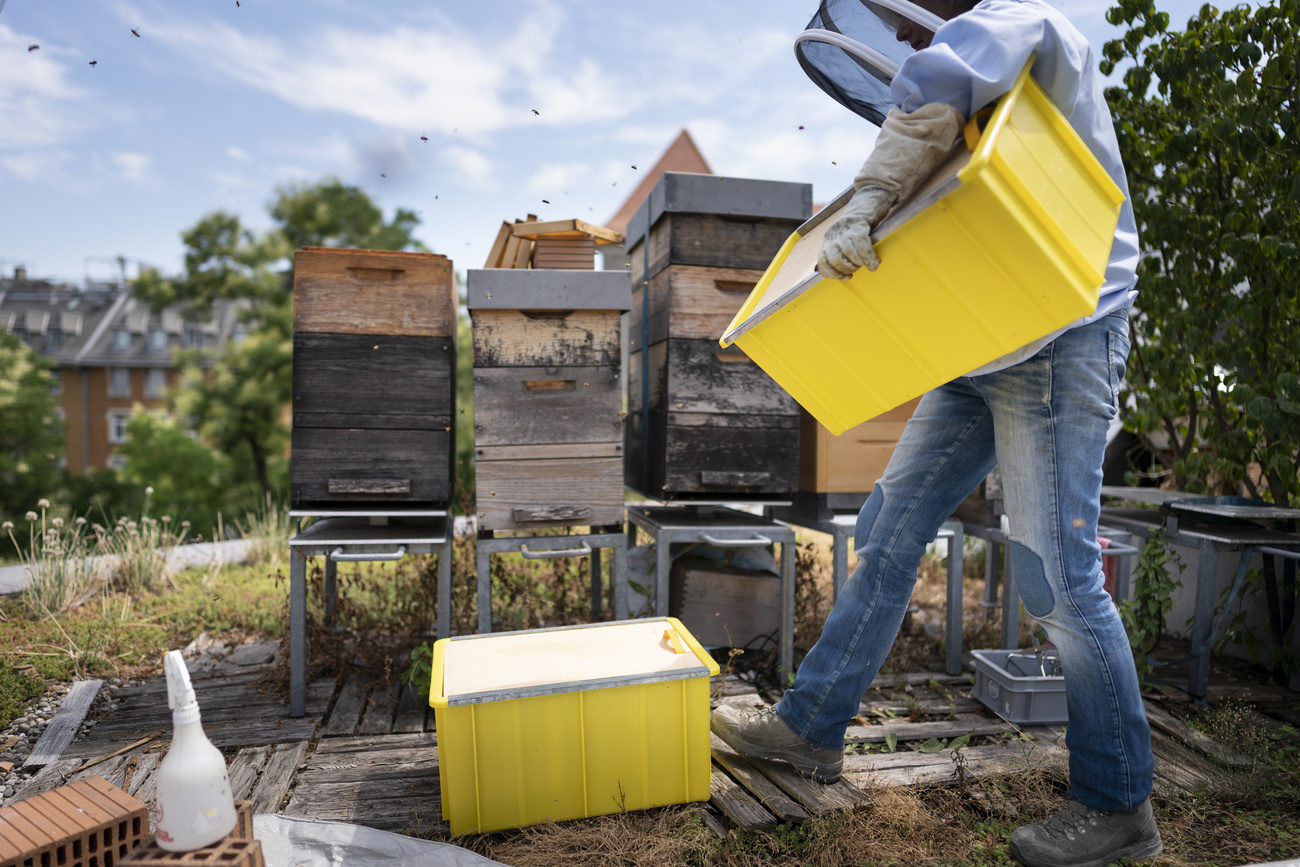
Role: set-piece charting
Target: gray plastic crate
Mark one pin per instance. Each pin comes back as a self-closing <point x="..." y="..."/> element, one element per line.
<point x="1010" y="684"/>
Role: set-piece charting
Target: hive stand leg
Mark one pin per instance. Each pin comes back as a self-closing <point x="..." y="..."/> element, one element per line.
<point x="331" y="589"/>
<point x="786" y="660"/>
<point x="1010" y="607"/>
<point x="955" y="542"/>
<point x="483" y="557"/>
<point x="618" y="579"/>
<point x="596" y="606"/>
<point x="297" y="633"/>
<point x="444" y="589"/>
<point x="663" y="563"/>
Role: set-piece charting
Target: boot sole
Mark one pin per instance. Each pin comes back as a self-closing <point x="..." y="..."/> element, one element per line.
<point x="806" y="768"/>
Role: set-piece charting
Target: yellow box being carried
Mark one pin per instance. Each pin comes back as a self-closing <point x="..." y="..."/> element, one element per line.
<point x="555" y="724"/>
<point x="1006" y="243"/>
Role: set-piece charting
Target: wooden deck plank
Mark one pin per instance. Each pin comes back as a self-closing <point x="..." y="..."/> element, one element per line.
<point x="380" y="708"/>
<point x="63" y="725"/>
<point x="277" y="777"/>
<point x="908" y="768"/>
<point x="737" y="804"/>
<point x="365" y="759"/>
<point x="909" y="731"/>
<point x="347" y="709"/>
<point x="389" y="805"/>
<point x="1199" y="741"/>
<point x="816" y="798"/>
<point x="1177" y="769"/>
<point x="411" y="710"/>
<point x="113" y="770"/>
<point x="145" y="765"/>
<point x="244" y="769"/>
<point x="927" y="706"/>
<point x="768" y="793"/>
<point x="918" y="678"/>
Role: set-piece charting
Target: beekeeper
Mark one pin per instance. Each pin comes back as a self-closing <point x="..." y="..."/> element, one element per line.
<point x="1041" y="414"/>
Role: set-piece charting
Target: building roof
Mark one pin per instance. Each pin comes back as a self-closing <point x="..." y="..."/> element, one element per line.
<point x="102" y="325"/>
<point x="682" y="156"/>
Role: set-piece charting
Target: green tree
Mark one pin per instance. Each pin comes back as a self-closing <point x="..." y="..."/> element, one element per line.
<point x="1207" y="127"/>
<point x="239" y="397"/>
<point x="190" y="481"/>
<point x="31" y="434"/>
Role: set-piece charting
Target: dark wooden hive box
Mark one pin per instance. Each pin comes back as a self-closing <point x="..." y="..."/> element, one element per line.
<point x="715" y="426"/>
<point x="548" y="433"/>
<point x="374" y="391"/>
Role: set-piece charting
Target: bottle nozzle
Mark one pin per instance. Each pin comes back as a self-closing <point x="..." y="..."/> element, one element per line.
<point x="180" y="693"/>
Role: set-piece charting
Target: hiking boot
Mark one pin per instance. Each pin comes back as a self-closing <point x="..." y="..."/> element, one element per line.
<point x="1079" y="836"/>
<point x="761" y="734"/>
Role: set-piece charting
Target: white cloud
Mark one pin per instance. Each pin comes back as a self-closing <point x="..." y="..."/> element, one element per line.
<point x="130" y="165"/>
<point x="36" y="165"/>
<point x="237" y="154"/>
<point x="434" y="78"/>
<point x="470" y="167"/>
<point x="36" y="101"/>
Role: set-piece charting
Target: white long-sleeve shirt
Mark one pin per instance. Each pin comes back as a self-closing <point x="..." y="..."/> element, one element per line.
<point x="976" y="57"/>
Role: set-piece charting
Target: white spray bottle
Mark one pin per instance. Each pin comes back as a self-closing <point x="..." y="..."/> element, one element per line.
<point x="195" y="807"/>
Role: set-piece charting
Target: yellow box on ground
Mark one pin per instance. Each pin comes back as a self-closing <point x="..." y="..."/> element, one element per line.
<point x="554" y="724"/>
<point x="1007" y="242"/>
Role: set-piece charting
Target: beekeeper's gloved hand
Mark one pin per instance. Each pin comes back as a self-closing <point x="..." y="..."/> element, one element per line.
<point x="908" y="149"/>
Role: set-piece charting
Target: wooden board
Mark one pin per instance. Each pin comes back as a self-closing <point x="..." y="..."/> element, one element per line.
<point x="373" y="292"/>
<point x="738" y="805"/>
<point x="711" y="241"/>
<point x="721" y="605"/>
<point x="769" y="794"/>
<point x="419" y="458"/>
<point x="373" y="381"/>
<point x="909" y="768"/>
<point x="537" y="405"/>
<point x="277" y="776"/>
<point x="579" y="229"/>
<point x="498" y="250"/>
<point x="923" y="731"/>
<point x="689" y="302"/>
<point x="63" y="725"/>
<point x="347" y="709"/>
<point x="411" y="710"/>
<point x="853" y="461"/>
<point x="563" y="492"/>
<point x="545" y="338"/>
<point x="708" y="459"/>
<point x="699" y="376"/>
<point x="380" y="709"/>
<point x="245" y="768"/>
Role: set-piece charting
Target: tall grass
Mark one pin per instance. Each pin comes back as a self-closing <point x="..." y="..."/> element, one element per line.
<point x="266" y="529"/>
<point x="137" y="552"/>
<point x="58" y="559"/>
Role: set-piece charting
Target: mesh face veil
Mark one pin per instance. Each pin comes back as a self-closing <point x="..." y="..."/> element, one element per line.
<point x="850" y="50"/>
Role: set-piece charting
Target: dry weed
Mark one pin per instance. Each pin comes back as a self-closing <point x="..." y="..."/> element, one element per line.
<point x="669" y="837"/>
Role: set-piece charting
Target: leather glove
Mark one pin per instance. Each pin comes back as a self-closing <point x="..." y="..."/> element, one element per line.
<point x="908" y="149"/>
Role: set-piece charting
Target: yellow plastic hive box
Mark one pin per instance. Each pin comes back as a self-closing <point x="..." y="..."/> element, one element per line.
<point x="555" y="724"/>
<point x="1007" y="242"/>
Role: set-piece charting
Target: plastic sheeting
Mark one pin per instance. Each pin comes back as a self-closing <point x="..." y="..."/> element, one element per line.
<point x="290" y="842"/>
<point x="850" y="50"/>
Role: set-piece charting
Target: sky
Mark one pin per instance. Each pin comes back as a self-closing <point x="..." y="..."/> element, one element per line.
<point x="135" y="118"/>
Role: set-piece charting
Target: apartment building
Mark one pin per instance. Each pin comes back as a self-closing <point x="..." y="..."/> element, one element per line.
<point x="111" y="350"/>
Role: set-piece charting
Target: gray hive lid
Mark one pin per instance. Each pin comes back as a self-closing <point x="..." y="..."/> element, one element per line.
<point x="685" y="193"/>
<point x="542" y="289"/>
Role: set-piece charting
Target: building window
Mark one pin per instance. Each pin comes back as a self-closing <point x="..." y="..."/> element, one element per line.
<point x="54" y="339"/>
<point x="116" y="462"/>
<point x="193" y="338"/>
<point x="119" y="382"/>
<point x="121" y="340"/>
<point x="22" y="334"/>
<point x="117" y="426"/>
<point x="56" y="388"/>
<point x="238" y="335"/>
<point x="155" y="382"/>
<point x="157" y="340"/>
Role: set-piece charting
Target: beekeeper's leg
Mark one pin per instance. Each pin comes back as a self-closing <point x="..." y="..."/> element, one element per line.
<point x="944" y="452"/>
<point x="908" y="149"/>
<point x="1051" y="416"/>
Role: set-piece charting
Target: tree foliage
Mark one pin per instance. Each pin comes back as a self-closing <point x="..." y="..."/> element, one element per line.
<point x="239" y="396"/>
<point x="31" y="434"/>
<point x="1208" y="131"/>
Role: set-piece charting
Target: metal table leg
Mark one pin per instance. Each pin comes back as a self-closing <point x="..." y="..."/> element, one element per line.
<point x="483" y="564"/>
<point x="297" y="633"/>
<point x="1207" y="571"/>
<point x="444" y="589"/>
<point x="1010" y="607"/>
<point x="956" y="551"/>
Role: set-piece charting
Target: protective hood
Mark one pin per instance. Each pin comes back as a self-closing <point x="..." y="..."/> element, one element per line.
<point x="850" y="50"/>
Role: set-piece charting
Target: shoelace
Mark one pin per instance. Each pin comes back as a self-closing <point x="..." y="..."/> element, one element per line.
<point x="1072" y="819"/>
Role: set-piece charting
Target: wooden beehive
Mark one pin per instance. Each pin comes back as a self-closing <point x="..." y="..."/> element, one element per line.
<point x="717" y="426"/>
<point x="722" y="605"/>
<point x="548" y="436"/>
<point x="89" y="823"/>
<point x="374" y="367"/>
<point x="838" y="473"/>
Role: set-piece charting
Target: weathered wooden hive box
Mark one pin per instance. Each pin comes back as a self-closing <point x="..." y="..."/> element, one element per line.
<point x="548" y="431"/>
<point x="838" y="473"/>
<point x="374" y="388"/>
<point x="718" y="426"/>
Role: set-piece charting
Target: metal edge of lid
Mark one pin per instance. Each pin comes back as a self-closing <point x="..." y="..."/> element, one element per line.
<point x="685" y="193"/>
<point x="576" y="686"/>
<point x="544" y="289"/>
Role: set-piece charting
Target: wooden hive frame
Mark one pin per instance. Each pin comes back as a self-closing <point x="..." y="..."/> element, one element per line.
<point x="89" y="823"/>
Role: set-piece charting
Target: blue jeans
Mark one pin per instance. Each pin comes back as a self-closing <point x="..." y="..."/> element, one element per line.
<point x="1044" y="422"/>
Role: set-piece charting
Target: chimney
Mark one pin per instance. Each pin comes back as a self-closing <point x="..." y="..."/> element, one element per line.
<point x="20" y="273"/>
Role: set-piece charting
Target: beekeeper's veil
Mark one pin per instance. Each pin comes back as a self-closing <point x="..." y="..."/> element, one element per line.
<point x="851" y="50"/>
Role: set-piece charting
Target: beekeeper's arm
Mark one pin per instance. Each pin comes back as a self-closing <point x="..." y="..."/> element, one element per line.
<point x="909" y="148"/>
